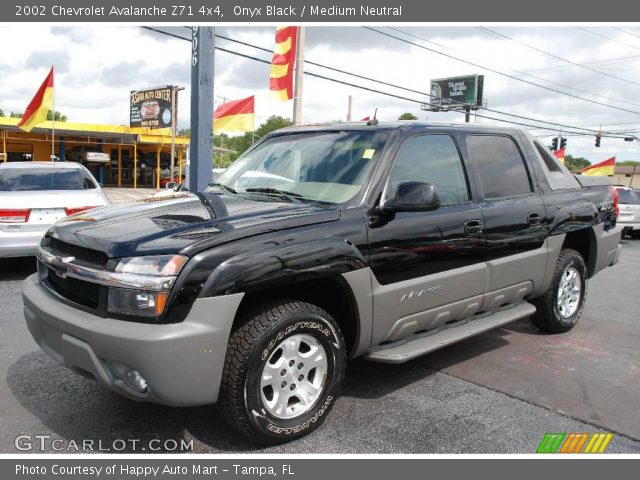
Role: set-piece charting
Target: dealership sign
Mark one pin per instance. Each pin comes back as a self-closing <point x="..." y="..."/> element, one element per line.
<point x="151" y="108"/>
<point x="457" y="92"/>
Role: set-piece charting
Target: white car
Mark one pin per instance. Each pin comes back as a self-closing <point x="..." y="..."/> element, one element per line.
<point x="629" y="203"/>
<point x="35" y="195"/>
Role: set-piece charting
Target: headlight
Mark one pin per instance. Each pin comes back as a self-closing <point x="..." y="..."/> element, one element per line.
<point x="137" y="302"/>
<point x="157" y="265"/>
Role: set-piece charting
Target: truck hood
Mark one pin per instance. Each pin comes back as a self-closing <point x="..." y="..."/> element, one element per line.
<point x="186" y="223"/>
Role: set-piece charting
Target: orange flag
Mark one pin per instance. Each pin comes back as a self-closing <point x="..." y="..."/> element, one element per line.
<point x="39" y="106"/>
<point x="282" y="64"/>
<point x="603" y="168"/>
<point x="236" y="116"/>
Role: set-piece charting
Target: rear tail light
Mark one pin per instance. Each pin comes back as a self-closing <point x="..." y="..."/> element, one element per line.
<point x="72" y="210"/>
<point x="14" y="215"/>
<point x="614" y="197"/>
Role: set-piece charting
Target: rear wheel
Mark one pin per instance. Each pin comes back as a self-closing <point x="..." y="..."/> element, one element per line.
<point x="559" y="309"/>
<point x="284" y="366"/>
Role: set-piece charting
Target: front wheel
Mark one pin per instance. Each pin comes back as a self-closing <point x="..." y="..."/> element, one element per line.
<point x="559" y="309"/>
<point x="284" y="366"/>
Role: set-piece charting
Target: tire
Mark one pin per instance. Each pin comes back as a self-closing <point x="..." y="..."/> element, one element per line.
<point x="265" y="366"/>
<point x="634" y="234"/>
<point x="558" y="317"/>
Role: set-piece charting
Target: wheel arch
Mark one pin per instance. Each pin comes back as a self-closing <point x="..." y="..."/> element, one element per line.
<point x="584" y="242"/>
<point x="331" y="293"/>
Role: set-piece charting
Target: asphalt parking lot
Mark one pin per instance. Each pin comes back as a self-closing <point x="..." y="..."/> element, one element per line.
<point x="496" y="393"/>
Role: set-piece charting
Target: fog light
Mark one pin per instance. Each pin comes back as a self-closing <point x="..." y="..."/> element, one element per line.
<point x="128" y="376"/>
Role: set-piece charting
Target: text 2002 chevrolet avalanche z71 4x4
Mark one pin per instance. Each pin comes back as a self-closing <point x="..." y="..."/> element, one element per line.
<point x="319" y="244"/>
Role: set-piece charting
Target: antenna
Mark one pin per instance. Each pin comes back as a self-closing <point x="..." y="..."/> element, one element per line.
<point x="374" y="120"/>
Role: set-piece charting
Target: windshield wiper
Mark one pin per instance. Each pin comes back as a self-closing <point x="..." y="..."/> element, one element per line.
<point x="276" y="192"/>
<point x="228" y="189"/>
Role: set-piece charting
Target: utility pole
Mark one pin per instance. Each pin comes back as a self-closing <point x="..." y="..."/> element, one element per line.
<point x="349" y="108"/>
<point x="467" y="113"/>
<point x="174" y="125"/>
<point x="299" y="74"/>
<point x="202" y="70"/>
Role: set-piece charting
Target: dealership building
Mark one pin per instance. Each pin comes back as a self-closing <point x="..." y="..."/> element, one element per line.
<point x="130" y="149"/>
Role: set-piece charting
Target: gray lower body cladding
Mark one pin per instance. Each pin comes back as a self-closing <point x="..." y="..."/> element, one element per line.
<point x="181" y="362"/>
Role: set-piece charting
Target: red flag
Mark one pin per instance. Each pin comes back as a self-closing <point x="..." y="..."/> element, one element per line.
<point x="365" y="119"/>
<point x="283" y="62"/>
<point x="560" y="155"/>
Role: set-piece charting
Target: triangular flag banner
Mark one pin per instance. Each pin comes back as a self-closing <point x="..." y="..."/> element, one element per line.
<point x="39" y="106"/>
<point x="603" y="168"/>
<point x="236" y="116"/>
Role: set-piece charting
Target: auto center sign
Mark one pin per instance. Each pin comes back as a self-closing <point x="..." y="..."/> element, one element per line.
<point x="151" y="108"/>
<point x="457" y="92"/>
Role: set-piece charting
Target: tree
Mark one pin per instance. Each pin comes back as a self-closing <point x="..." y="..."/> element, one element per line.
<point x="628" y="163"/>
<point x="575" y="164"/>
<point x="59" y="116"/>
<point x="1" y="113"/>
<point x="407" y="116"/>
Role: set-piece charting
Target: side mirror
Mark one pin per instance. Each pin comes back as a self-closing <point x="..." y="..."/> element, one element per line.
<point x="412" y="197"/>
<point x="171" y="185"/>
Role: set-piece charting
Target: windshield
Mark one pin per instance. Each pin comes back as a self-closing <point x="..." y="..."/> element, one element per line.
<point x="327" y="167"/>
<point x="23" y="179"/>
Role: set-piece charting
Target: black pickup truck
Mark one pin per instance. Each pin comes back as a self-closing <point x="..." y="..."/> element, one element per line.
<point x="318" y="245"/>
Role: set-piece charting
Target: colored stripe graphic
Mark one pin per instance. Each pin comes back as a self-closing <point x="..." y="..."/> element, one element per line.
<point x="550" y="443"/>
<point x="555" y="442"/>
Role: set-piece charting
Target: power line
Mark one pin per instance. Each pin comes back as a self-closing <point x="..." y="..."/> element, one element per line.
<point x="497" y="72"/>
<point x="608" y="38"/>
<point x="557" y="57"/>
<point x="602" y="64"/>
<point x="420" y="38"/>
<point x="405" y="88"/>
<point x="502" y="37"/>
<point x="362" y="87"/>
<point x="627" y="32"/>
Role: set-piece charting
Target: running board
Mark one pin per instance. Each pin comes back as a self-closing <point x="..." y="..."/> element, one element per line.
<point x="419" y="346"/>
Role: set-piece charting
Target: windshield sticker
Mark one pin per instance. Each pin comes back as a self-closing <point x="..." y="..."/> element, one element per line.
<point x="368" y="153"/>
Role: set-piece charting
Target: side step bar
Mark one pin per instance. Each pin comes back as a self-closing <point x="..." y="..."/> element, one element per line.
<point x="419" y="346"/>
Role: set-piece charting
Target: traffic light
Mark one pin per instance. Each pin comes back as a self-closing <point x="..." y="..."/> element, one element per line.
<point x="598" y="137"/>
<point x="563" y="143"/>
<point x="554" y="144"/>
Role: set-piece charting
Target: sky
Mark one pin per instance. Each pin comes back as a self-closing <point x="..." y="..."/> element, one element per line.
<point x="97" y="67"/>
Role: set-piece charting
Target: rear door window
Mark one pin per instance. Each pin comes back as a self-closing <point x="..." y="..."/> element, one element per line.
<point x="500" y="166"/>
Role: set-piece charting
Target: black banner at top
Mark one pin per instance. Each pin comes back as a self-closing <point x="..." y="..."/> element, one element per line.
<point x="316" y="11"/>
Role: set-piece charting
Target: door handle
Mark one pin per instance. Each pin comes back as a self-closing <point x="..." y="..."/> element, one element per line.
<point x="473" y="228"/>
<point x="534" y="219"/>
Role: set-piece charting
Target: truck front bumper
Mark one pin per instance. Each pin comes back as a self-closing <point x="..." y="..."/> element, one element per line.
<point x="181" y="363"/>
